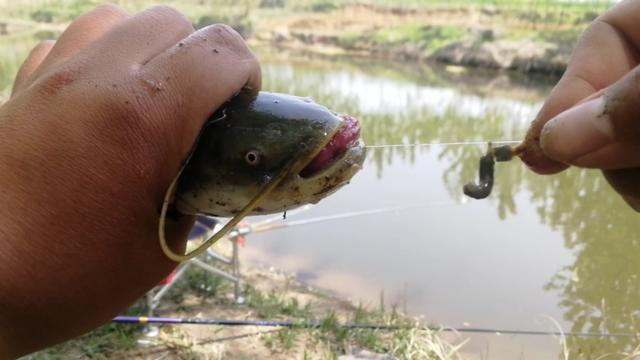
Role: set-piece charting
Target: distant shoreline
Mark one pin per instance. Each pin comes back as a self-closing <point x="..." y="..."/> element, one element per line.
<point x="523" y="56"/>
<point x="522" y="40"/>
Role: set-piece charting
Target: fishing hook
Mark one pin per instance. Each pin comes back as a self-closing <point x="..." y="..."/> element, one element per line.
<point x="486" y="170"/>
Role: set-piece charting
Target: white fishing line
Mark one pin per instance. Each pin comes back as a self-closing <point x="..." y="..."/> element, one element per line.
<point x="460" y="143"/>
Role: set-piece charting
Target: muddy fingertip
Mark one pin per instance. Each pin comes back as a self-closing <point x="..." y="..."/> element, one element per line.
<point x="532" y="155"/>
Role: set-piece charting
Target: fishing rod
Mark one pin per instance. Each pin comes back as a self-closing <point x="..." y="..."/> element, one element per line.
<point x="144" y="320"/>
<point x="267" y="227"/>
<point x="268" y="224"/>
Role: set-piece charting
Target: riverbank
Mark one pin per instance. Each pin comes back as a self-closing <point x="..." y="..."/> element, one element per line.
<point x="465" y="36"/>
<point x="525" y="37"/>
<point x="269" y="294"/>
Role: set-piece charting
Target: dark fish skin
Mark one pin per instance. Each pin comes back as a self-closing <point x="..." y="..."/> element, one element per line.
<point x="250" y="142"/>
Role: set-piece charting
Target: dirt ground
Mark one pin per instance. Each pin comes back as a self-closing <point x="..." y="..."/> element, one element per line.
<point x="252" y="342"/>
<point x="214" y="342"/>
<point x="242" y="342"/>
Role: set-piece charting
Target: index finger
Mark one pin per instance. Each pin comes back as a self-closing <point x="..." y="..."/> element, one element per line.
<point x="607" y="50"/>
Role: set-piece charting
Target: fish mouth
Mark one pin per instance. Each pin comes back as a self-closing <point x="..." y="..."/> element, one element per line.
<point x="347" y="137"/>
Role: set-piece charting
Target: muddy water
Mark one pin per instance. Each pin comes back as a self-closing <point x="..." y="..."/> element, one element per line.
<point x="540" y="248"/>
<point x="539" y="251"/>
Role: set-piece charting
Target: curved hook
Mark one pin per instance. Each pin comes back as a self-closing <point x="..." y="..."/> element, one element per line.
<point x="220" y="233"/>
<point x="486" y="171"/>
<point x="485" y="178"/>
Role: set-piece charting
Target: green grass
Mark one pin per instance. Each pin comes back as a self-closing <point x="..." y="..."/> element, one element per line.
<point x="66" y="10"/>
<point x="431" y="37"/>
<point x="282" y="340"/>
<point x="535" y="11"/>
<point x="105" y="340"/>
<point x="54" y="13"/>
<point x="426" y="37"/>
<point x="536" y="5"/>
<point x="238" y="14"/>
<point x="114" y="338"/>
<point x="411" y="341"/>
<point x="45" y="11"/>
<point x="199" y="283"/>
<point x="99" y="343"/>
<point x="274" y="305"/>
<point x="324" y="5"/>
<point x="562" y="36"/>
<point x="245" y="15"/>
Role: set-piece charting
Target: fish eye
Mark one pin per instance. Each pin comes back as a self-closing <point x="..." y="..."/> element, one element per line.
<point x="252" y="157"/>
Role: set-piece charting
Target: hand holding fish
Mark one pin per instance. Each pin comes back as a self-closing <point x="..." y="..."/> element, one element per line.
<point x="96" y="129"/>
<point x="591" y="117"/>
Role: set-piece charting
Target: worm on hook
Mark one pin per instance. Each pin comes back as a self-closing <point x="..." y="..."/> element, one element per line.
<point x="486" y="171"/>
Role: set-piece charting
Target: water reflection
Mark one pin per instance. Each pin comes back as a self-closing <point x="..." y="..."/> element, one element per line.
<point x="598" y="292"/>
<point x="598" y="289"/>
<point x="401" y="112"/>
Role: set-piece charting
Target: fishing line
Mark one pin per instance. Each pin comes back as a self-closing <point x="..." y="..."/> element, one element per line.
<point x="460" y="143"/>
<point x="143" y="320"/>
<point x="261" y="227"/>
<point x="486" y="165"/>
<point x="267" y="189"/>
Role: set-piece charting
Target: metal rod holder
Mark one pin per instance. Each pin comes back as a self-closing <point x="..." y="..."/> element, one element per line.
<point x="154" y="296"/>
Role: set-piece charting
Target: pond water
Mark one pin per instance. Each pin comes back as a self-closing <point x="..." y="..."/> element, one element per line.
<point x="539" y="250"/>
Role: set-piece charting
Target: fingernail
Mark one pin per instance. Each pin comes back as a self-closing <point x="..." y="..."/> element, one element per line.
<point x="578" y="131"/>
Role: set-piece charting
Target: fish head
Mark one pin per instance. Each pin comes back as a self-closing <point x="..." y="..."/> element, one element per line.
<point x="262" y="137"/>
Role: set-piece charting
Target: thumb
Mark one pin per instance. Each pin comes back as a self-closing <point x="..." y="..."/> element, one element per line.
<point x="603" y="132"/>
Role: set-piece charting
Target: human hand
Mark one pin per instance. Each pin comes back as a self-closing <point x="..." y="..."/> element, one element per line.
<point x="591" y="119"/>
<point x="95" y="131"/>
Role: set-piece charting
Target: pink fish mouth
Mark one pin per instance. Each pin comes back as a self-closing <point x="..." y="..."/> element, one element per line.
<point x="344" y="139"/>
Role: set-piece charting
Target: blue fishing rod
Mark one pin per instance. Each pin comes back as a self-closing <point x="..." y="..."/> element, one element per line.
<point x="144" y="320"/>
